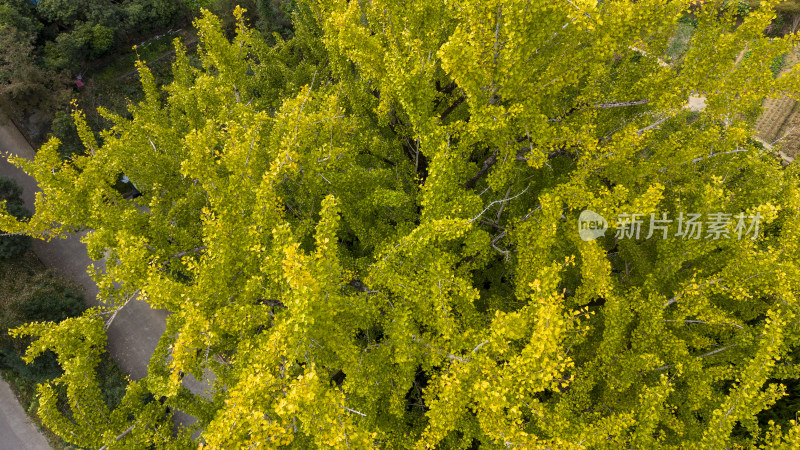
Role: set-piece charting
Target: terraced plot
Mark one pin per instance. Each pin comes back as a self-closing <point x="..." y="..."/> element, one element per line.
<point x="779" y="124"/>
<point x="776" y="111"/>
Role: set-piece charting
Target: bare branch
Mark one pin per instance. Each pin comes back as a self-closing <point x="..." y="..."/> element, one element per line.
<point x="354" y="411"/>
<point x="738" y="150"/>
<point x="479" y="346"/>
<point x="120" y="436"/>
<point x="153" y="144"/>
<point x="108" y="324"/>
<point x="199" y="248"/>
<point x="702" y="322"/>
<point x="498" y="201"/>
<point x="621" y="104"/>
<point x="449" y="355"/>
<point x="653" y="125"/>
<point x="524" y="218"/>
<point x="576" y="7"/>
<point x="704" y="355"/>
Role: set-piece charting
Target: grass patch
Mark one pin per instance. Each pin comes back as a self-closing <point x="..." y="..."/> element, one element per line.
<point x="680" y="42"/>
<point x="777" y="64"/>
<point x="124" y="63"/>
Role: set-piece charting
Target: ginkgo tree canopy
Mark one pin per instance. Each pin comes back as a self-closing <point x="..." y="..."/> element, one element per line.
<point x="367" y="236"/>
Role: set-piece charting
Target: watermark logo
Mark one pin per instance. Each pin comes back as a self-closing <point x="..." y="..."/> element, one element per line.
<point x="687" y="226"/>
<point x="591" y="225"/>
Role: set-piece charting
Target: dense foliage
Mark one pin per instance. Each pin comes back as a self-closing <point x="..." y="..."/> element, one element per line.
<point x="367" y="235"/>
<point x="15" y="245"/>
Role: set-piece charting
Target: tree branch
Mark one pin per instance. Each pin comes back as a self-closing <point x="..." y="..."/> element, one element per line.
<point x="452" y="107"/>
<point x="738" y="150"/>
<point x="524" y="218"/>
<point x="621" y="104"/>
<point x="117" y="310"/>
<point x="492" y="160"/>
<point x="487" y="164"/>
<point x="653" y="125"/>
<point x="704" y="355"/>
<point x="606" y="105"/>
<point x="273" y="303"/>
<point x="361" y="287"/>
<point x="120" y="436"/>
<point x="702" y="322"/>
<point x="499" y="201"/>
<point x="199" y="248"/>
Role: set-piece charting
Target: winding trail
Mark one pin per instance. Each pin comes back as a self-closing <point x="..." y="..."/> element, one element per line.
<point x="136" y="329"/>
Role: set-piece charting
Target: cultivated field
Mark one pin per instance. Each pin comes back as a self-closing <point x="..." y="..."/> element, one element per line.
<point x="779" y="125"/>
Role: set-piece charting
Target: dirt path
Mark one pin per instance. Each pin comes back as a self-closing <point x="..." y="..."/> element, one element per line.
<point x="134" y="333"/>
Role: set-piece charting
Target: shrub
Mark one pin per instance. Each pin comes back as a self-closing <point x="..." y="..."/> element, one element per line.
<point x="52" y="306"/>
<point x="64" y="129"/>
<point x="741" y="7"/>
<point x="777" y="64"/>
<point x="71" y="50"/>
<point x="688" y="19"/>
<point x="45" y="367"/>
<point x="13" y="246"/>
